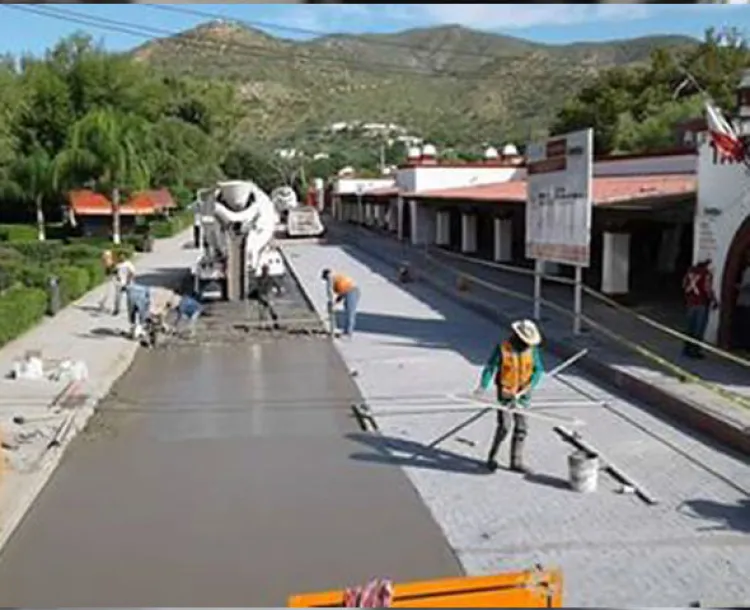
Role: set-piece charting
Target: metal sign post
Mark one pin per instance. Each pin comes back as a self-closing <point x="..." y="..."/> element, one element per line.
<point x="538" y="272"/>
<point x="578" y="300"/>
<point x="558" y="209"/>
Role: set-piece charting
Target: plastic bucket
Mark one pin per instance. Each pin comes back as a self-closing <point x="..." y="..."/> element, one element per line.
<point x="584" y="471"/>
<point x="235" y="192"/>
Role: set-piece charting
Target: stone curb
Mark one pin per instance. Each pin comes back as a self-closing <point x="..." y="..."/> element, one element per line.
<point x="694" y="415"/>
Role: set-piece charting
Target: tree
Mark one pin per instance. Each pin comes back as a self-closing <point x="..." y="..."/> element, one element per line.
<point x="33" y="178"/>
<point x="103" y="153"/>
<point x="47" y="113"/>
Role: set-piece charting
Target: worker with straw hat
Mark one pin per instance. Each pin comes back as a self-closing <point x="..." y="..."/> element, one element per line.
<point x="516" y="367"/>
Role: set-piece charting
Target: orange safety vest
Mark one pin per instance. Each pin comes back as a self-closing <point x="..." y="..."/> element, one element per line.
<point x="342" y="284"/>
<point x="515" y="371"/>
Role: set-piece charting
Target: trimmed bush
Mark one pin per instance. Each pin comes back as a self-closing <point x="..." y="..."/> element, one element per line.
<point x="39" y="251"/>
<point x="18" y="233"/>
<point x="74" y="283"/>
<point x="20" y="309"/>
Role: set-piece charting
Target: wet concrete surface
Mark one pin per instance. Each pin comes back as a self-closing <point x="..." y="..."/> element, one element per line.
<point x="220" y="475"/>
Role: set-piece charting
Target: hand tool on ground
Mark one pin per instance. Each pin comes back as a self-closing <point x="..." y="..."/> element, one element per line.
<point x="367" y="411"/>
<point x="575" y="439"/>
<point x="552" y="373"/>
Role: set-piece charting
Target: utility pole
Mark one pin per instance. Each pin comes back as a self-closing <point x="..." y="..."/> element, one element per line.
<point x="382" y="157"/>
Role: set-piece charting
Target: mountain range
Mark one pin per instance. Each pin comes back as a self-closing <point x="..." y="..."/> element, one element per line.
<point x="448" y="83"/>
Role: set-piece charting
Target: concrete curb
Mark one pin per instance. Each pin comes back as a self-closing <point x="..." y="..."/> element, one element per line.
<point x="692" y="414"/>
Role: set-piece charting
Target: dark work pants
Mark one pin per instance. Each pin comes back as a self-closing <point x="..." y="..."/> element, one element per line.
<point x="742" y="327"/>
<point x="264" y="302"/>
<point x="697" y="320"/>
<point x="505" y="422"/>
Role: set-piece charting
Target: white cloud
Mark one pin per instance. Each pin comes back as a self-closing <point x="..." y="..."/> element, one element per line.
<point x="517" y="16"/>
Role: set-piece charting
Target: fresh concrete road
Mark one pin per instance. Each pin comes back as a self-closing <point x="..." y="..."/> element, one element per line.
<point x="220" y="476"/>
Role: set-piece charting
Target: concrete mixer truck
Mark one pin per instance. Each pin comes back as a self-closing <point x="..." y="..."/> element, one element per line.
<point x="299" y="220"/>
<point x="237" y="225"/>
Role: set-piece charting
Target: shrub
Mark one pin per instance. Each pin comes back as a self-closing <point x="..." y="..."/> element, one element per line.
<point x="18" y="233"/>
<point x="39" y="251"/>
<point x="74" y="283"/>
<point x="20" y="309"/>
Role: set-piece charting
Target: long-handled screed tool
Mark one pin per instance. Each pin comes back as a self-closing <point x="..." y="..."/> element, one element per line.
<point x="456" y="429"/>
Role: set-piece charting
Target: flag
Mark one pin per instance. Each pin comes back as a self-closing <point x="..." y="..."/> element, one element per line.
<point x="722" y="134"/>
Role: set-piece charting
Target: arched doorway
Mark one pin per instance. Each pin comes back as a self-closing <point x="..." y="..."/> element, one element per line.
<point x="733" y="267"/>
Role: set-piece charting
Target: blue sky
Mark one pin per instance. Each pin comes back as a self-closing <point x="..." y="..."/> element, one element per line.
<point x="22" y="32"/>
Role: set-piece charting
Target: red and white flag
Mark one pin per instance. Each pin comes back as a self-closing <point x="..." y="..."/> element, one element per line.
<point x="723" y="136"/>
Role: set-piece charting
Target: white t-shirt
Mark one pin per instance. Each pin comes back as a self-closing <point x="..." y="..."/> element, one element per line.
<point x="125" y="271"/>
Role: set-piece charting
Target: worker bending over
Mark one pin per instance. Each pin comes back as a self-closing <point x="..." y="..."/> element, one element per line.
<point x="186" y="310"/>
<point x="138" y="301"/>
<point x="516" y="366"/>
<point x="340" y="288"/>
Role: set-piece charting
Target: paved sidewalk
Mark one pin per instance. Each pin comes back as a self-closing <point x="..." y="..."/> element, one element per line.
<point x="704" y="409"/>
<point x="78" y="332"/>
<point x="414" y="346"/>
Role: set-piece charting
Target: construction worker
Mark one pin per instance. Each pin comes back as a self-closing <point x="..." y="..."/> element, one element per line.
<point x="108" y="264"/>
<point x="340" y="288"/>
<point x="138" y="298"/>
<point x="186" y="309"/>
<point x="124" y="273"/>
<point x="266" y="285"/>
<point x="516" y="367"/>
<point x="699" y="299"/>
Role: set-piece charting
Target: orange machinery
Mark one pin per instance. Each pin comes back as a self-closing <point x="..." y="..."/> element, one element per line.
<point x="537" y="588"/>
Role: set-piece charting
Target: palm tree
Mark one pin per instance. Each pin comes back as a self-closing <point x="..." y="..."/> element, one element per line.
<point x="102" y="153"/>
<point x="33" y="178"/>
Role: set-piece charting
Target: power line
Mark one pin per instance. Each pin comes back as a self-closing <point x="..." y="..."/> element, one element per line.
<point x="247" y="49"/>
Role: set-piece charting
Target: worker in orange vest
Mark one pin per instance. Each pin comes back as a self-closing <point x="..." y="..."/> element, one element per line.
<point x="340" y="287"/>
<point x="516" y="367"/>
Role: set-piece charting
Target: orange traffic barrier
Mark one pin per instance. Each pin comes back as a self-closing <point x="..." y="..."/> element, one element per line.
<point x="536" y="588"/>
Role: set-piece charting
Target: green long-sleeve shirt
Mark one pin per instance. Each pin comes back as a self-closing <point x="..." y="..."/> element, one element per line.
<point x="496" y="361"/>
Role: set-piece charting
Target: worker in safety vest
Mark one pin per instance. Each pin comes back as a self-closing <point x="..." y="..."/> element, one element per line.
<point x="516" y="367"/>
<point x="698" y="289"/>
<point x="339" y="288"/>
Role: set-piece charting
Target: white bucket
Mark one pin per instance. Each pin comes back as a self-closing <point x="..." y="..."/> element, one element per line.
<point x="235" y="192"/>
<point x="584" y="471"/>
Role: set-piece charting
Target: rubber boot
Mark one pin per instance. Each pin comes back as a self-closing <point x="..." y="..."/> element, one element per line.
<point x="497" y="440"/>
<point x="516" y="456"/>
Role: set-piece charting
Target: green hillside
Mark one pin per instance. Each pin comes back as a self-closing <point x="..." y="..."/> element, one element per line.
<point x="449" y="84"/>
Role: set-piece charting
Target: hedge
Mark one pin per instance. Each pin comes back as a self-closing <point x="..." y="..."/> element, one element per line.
<point x="172" y="225"/>
<point x="18" y="233"/>
<point x="20" y="309"/>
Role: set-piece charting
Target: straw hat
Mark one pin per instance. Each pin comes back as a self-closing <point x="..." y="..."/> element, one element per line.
<point x="527" y="331"/>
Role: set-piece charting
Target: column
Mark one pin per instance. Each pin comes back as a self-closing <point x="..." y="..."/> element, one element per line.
<point x="468" y="233"/>
<point x="377" y="210"/>
<point x="368" y="213"/>
<point x="415" y="224"/>
<point x="503" y="240"/>
<point x="400" y="218"/>
<point x="442" y="228"/>
<point x="616" y="263"/>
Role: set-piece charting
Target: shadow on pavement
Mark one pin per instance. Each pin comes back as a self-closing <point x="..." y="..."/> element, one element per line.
<point x="104" y="333"/>
<point x="547" y="480"/>
<point x="413" y="454"/>
<point x="725" y="517"/>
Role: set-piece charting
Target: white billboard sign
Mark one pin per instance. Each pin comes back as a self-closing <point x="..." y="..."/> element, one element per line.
<point x="559" y="199"/>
